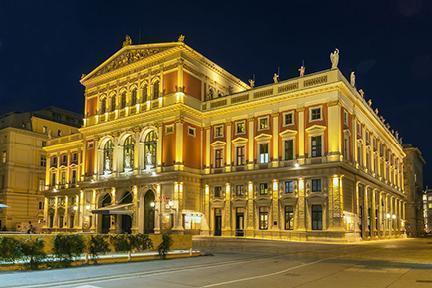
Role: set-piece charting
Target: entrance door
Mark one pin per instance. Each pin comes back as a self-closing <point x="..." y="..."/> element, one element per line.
<point x="126" y="224"/>
<point x="218" y="223"/>
<point x="239" y="223"/>
<point x="149" y="212"/>
<point x="106" y="223"/>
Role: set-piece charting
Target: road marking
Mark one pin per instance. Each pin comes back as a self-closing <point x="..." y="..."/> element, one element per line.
<point x="139" y="274"/>
<point x="265" y="275"/>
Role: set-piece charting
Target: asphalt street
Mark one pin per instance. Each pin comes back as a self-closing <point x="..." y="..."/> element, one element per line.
<point x="257" y="263"/>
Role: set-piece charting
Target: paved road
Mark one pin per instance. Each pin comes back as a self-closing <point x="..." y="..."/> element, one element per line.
<point x="257" y="263"/>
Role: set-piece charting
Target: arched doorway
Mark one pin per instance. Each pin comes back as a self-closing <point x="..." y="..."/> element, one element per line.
<point x="149" y="212"/>
<point x="106" y="220"/>
<point x="126" y="220"/>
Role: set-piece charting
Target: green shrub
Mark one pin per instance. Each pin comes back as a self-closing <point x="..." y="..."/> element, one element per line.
<point x="141" y="242"/>
<point x="10" y="249"/>
<point x="164" y="246"/>
<point x="33" y="250"/>
<point x="66" y="247"/>
<point x="121" y="242"/>
<point x="97" y="245"/>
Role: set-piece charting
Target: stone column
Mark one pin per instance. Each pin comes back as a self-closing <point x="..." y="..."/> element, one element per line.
<point x="180" y="84"/>
<point x="228" y="159"/>
<point x="137" y="213"/>
<point x="250" y="229"/>
<point x="158" y="209"/>
<point x="335" y="206"/>
<point x="275" y="206"/>
<point x="301" y="136"/>
<point x="301" y="203"/>
<point x="66" y="214"/>
<point x="207" y="150"/>
<point x="365" y="212"/>
<point x="373" y="215"/>
<point x="113" y="218"/>
<point x="178" y="196"/>
<point x="159" y="149"/>
<point x="207" y="212"/>
<point x="334" y="131"/>
<point x="226" y="229"/>
<point x="55" y="212"/>
<point x="275" y="140"/>
<point x="251" y="143"/>
<point x="137" y="152"/>
<point x="380" y="215"/>
<point x="179" y="144"/>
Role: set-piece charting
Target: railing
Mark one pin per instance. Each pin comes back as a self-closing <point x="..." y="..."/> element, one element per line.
<point x="65" y="139"/>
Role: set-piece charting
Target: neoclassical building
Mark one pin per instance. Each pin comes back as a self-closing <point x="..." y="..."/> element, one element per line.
<point x="172" y="141"/>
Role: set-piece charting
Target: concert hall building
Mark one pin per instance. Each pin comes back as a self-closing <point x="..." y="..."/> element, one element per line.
<point x="172" y="141"/>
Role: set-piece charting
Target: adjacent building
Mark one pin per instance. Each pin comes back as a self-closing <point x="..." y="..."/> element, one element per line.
<point x="23" y="162"/>
<point x="172" y="141"/>
<point x="427" y="210"/>
<point x="413" y="175"/>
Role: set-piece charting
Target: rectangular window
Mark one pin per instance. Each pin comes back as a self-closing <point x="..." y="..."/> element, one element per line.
<point x="263" y="188"/>
<point x="263" y="153"/>
<point x="289" y="149"/>
<point x="219" y="131"/>
<point x="315" y="114"/>
<point x="263" y="123"/>
<point x="191" y="131"/>
<point x="63" y="178"/>
<point x="263" y="218"/>
<point x="217" y="191"/>
<point x="289" y="217"/>
<point x="346" y="147"/>
<point x="169" y="129"/>
<point x="53" y="179"/>
<point x="74" y="177"/>
<point x="240" y="127"/>
<point x="240" y="155"/>
<point x="64" y="160"/>
<point x="345" y="118"/>
<point x="218" y="158"/>
<point x="74" y="158"/>
<point x="54" y="161"/>
<point x="4" y="157"/>
<point x="316" y="217"/>
<point x="288" y="119"/>
<point x="316" y="185"/>
<point x="289" y="186"/>
<point x="239" y="191"/>
<point x="316" y="146"/>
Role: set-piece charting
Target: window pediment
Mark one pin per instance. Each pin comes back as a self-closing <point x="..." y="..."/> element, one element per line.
<point x="315" y="129"/>
<point x="288" y="132"/>
<point x="218" y="143"/>
<point x="240" y="140"/>
<point x="263" y="137"/>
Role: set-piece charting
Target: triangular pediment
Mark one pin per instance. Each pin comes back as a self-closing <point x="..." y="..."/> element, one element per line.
<point x="128" y="55"/>
<point x="263" y="136"/>
<point x="239" y="140"/>
<point x="315" y="128"/>
<point x="288" y="132"/>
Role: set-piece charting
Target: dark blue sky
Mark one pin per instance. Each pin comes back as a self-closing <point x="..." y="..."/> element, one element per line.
<point x="46" y="45"/>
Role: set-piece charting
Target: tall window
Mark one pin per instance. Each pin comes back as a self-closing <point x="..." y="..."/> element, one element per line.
<point x="123" y="100"/>
<point x="134" y="97"/>
<point x="263" y="123"/>
<point x="316" y="185"/>
<point x="150" y="144"/>
<point x="316" y="146"/>
<point x="74" y="177"/>
<point x="289" y="217"/>
<point x="346" y="147"/>
<point x="288" y="119"/>
<point x="128" y="153"/>
<point x="54" y="161"/>
<point x="315" y="114"/>
<point x="289" y="186"/>
<point x="218" y="131"/>
<point x="218" y="158"/>
<point x="103" y="106"/>
<point x="156" y="89"/>
<point x="144" y="93"/>
<point x="263" y="188"/>
<point x="63" y="177"/>
<point x="316" y="217"/>
<point x="289" y="149"/>
<point x="74" y="158"/>
<point x="113" y="103"/>
<point x="53" y="179"/>
<point x="240" y="191"/>
<point x="263" y="153"/>
<point x="240" y="155"/>
<point x="263" y="218"/>
<point x="108" y="156"/>
<point x="43" y="161"/>
<point x="217" y="191"/>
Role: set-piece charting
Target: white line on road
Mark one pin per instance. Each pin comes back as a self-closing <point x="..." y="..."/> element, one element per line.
<point x="265" y="275"/>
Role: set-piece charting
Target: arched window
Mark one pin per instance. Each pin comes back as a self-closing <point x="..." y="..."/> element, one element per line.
<point x="156" y="90"/>
<point x="108" y="157"/>
<point x="134" y="97"/>
<point x="150" y="144"/>
<point x="113" y="103"/>
<point x="144" y="93"/>
<point x="103" y="106"/>
<point x="123" y="100"/>
<point x="128" y="153"/>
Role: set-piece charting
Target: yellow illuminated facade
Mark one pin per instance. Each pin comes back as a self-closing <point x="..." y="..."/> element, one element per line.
<point x="171" y="141"/>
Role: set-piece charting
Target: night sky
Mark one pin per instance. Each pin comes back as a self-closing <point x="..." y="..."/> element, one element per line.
<point x="45" y="46"/>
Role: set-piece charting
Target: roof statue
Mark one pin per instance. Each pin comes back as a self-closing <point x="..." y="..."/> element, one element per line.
<point x="127" y="41"/>
<point x="302" y="70"/>
<point x="376" y="111"/>
<point x="397" y="135"/>
<point x="370" y="102"/>
<point x="181" y="38"/>
<point x="352" y="79"/>
<point x="275" y="78"/>
<point x="334" y="58"/>
<point x="251" y="83"/>
<point x="361" y="92"/>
